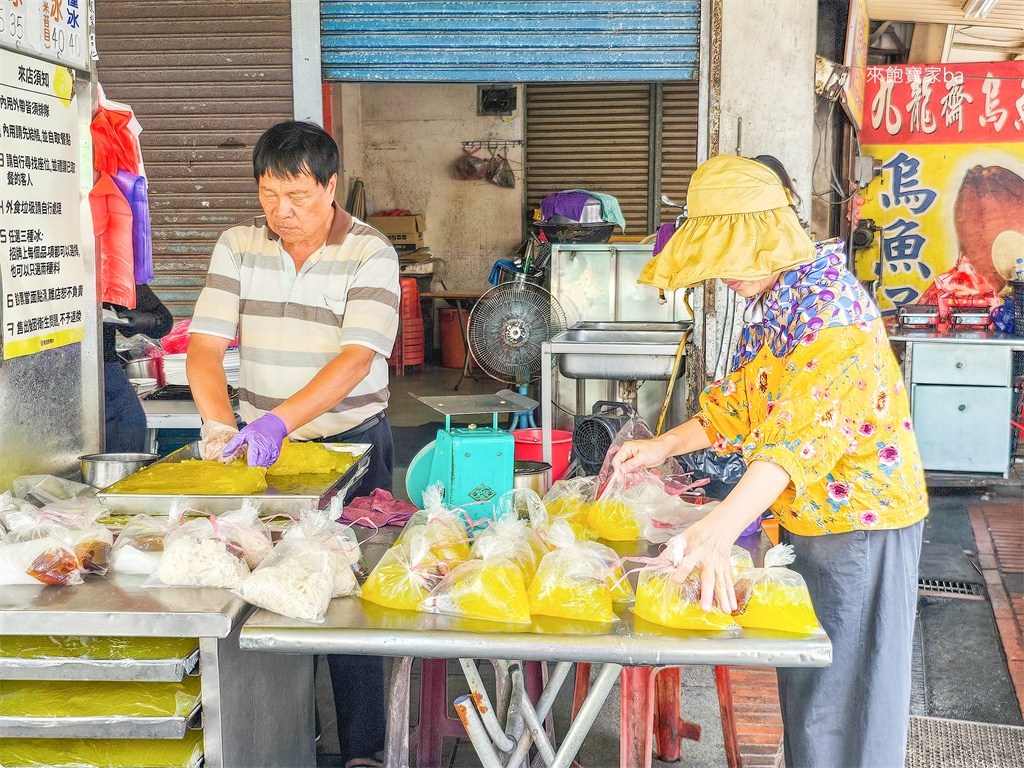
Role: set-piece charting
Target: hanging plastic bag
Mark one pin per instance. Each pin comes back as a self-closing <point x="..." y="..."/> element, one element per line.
<point x="483" y="589"/>
<point x="635" y="428"/>
<point x="37" y="550"/>
<point x="469" y="167"/>
<point x="340" y="541"/>
<point x="404" y="576"/>
<point x="296" y="580"/>
<point x="511" y="538"/>
<point x="572" y="583"/>
<point x="775" y="597"/>
<point x="499" y="170"/>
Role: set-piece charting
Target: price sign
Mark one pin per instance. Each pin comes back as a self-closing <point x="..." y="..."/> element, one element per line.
<point x="42" y="271"/>
<point x="65" y="27"/>
<point x="19" y="24"/>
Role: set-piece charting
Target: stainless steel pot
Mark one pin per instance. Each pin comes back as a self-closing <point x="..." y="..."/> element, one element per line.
<point x="101" y="470"/>
<point x="535" y="475"/>
<point x="143" y="368"/>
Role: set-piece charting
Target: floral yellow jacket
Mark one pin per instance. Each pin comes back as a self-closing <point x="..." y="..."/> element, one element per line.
<point x="834" y="414"/>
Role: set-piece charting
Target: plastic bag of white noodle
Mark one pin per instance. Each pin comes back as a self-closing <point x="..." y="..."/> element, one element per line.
<point x="297" y="580"/>
<point x="199" y="554"/>
<point x="244" y="529"/>
<point x="317" y="526"/>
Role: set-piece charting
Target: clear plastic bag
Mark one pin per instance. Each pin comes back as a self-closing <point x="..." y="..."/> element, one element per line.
<point x="139" y="546"/>
<point x="483" y="589"/>
<point x="339" y="540"/>
<point x="92" y="541"/>
<point x="442" y="528"/>
<point x="775" y="597"/>
<point x="660" y="600"/>
<point x="524" y="503"/>
<point x="511" y="538"/>
<point x="404" y="576"/>
<point x="198" y="553"/>
<point x="569" y="501"/>
<point x="626" y="505"/>
<point x="92" y="698"/>
<point x="244" y="530"/>
<point x="186" y="752"/>
<point x="673" y="517"/>
<point x="296" y="580"/>
<point x="635" y="428"/>
<point x="37" y="550"/>
<point x="621" y="589"/>
<point x="572" y="583"/>
<point x="46" y="489"/>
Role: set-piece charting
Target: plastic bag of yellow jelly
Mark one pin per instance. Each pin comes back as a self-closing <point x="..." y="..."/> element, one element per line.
<point x="621" y="589"/>
<point x="572" y="583"/>
<point x="309" y="459"/>
<point x="403" y="577"/>
<point x="186" y="752"/>
<point x="511" y="538"/>
<point x="84" y="647"/>
<point x="79" y="698"/>
<point x="567" y="500"/>
<point x="482" y="589"/>
<point x="774" y="597"/>
<point x="663" y="601"/>
<point x="195" y="477"/>
<point x="444" y="529"/>
<point x="612" y="520"/>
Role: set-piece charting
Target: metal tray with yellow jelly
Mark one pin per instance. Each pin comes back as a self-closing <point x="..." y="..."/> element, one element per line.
<point x="285" y="494"/>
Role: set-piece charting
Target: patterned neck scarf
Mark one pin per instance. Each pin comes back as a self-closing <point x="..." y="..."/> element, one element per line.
<point x="805" y="300"/>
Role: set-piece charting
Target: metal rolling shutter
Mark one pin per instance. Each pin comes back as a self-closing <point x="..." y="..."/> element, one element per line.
<point x="678" y="143"/>
<point x="592" y="136"/>
<point x="205" y="79"/>
<point x="521" y="40"/>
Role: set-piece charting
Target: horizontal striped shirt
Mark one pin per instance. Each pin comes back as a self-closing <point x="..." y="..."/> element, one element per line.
<point x="291" y="325"/>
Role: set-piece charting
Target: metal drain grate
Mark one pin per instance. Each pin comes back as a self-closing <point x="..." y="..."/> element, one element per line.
<point x="934" y="742"/>
<point x="942" y="588"/>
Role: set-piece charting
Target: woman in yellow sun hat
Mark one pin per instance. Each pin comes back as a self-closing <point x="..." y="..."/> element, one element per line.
<point x="816" y="407"/>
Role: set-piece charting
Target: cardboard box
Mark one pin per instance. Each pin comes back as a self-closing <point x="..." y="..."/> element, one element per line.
<point x="401" y="230"/>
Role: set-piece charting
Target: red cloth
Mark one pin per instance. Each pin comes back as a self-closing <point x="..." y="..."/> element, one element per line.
<point x="112" y="224"/>
<point x="114" y="145"/>
<point x="960" y="286"/>
<point x="379" y="508"/>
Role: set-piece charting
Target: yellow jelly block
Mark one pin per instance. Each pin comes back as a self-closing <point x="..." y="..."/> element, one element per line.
<point x="106" y="753"/>
<point x="309" y="459"/>
<point x="485" y="591"/>
<point x="612" y="521"/>
<point x="77" y="698"/>
<point x="195" y="477"/>
<point x="662" y="601"/>
<point x="582" y="599"/>
<point x="105" y="648"/>
<point x="394" y="583"/>
<point x="779" y="607"/>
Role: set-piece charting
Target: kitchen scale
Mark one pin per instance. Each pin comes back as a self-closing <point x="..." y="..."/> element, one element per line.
<point x="474" y="464"/>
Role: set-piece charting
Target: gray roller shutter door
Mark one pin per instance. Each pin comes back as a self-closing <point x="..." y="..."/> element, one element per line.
<point x="599" y="136"/>
<point x="205" y="80"/>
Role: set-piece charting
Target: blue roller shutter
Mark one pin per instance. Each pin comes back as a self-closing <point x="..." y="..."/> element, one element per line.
<point x="521" y="40"/>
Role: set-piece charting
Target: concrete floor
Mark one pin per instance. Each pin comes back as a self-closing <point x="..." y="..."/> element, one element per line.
<point x="965" y="674"/>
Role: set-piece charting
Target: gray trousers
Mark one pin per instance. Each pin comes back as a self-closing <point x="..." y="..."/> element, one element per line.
<point x="854" y="713"/>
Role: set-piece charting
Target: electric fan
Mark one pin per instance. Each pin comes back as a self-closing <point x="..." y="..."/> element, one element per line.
<point x="506" y="329"/>
<point x="593" y="434"/>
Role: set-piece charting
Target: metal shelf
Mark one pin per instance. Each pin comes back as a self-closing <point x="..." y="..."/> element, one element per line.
<point x="136" y="670"/>
<point x="117" y="727"/>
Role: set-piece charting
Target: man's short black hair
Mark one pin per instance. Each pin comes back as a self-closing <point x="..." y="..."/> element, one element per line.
<point x="293" y="148"/>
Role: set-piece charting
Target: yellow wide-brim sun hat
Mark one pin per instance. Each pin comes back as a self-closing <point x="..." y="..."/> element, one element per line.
<point x="740" y="226"/>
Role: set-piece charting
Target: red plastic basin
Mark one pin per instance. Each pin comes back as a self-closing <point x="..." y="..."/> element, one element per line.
<point x="530" y="448"/>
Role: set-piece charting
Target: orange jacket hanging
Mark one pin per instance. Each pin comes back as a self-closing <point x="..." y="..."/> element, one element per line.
<point x="114" y="145"/>
<point x="112" y="224"/>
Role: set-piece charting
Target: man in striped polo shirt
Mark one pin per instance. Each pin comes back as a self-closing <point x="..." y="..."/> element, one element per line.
<point x="313" y="294"/>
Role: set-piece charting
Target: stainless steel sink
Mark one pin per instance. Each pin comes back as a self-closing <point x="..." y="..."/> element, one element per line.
<point x="625" y="351"/>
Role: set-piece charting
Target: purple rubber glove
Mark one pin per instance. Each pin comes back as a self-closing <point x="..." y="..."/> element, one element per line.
<point x="262" y="439"/>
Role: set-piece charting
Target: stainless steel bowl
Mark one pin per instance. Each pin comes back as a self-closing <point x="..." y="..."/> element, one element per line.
<point x="143" y="368"/>
<point x="102" y="470"/>
<point x="535" y="475"/>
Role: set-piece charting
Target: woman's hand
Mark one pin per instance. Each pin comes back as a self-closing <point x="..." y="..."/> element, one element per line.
<point x="709" y="546"/>
<point x="641" y="454"/>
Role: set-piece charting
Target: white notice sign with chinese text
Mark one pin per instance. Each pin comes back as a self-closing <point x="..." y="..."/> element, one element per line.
<point x="42" y="273"/>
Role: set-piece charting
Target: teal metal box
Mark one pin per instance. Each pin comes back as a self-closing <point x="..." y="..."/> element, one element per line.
<point x="473" y="465"/>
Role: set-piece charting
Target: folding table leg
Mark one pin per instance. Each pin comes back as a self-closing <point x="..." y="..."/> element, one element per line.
<point x="637" y="717"/>
<point x="732" y="742"/>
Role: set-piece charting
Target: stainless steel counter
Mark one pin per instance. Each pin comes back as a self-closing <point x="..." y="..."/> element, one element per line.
<point x="357" y="627"/>
<point x="931" y="336"/>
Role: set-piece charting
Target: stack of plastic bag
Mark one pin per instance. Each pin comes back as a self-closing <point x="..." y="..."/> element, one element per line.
<point x="297" y="580"/>
<point x="339" y="541"/>
<point x="404" y="576"/>
<point x="510" y="538"/>
<point x="213" y="551"/>
<point x="663" y="601"/>
<point x="92" y="541"/>
<point x="491" y="588"/>
<point x="37" y="550"/>
<point x="775" y="597"/>
<point x="572" y="583"/>
<point x="442" y="528"/>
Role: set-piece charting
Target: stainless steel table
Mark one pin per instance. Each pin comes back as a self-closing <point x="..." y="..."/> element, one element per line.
<point x="256" y="710"/>
<point x="353" y="626"/>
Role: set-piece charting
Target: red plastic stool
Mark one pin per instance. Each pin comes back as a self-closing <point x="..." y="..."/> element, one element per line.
<point x="434" y="724"/>
<point x="410" y="342"/>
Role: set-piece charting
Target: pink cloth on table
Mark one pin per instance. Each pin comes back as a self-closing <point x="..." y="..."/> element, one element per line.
<point x="379" y="508"/>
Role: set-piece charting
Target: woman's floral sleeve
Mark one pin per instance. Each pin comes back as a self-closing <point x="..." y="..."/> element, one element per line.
<point x="725" y="413"/>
